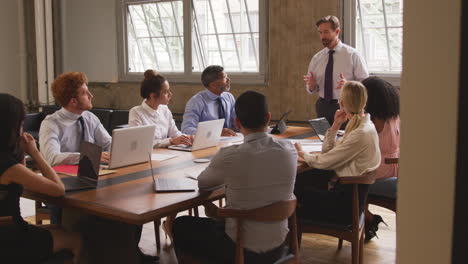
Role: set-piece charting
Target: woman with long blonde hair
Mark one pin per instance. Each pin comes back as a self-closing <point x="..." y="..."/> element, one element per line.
<point x="353" y="155"/>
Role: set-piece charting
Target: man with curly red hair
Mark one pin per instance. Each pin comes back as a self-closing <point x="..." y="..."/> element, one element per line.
<point x="61" y="133"/>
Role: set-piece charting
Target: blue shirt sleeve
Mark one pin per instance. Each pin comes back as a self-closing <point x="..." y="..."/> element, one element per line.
<point x="193" y="111"/>
<point x="232" y="115"/>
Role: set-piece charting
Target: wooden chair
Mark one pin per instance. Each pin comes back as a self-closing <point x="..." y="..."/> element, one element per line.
<point x="42" y="213"/>
<point x="274" y="212"/>
<point x="353" y="233"/>
<point x="382" y="201"/>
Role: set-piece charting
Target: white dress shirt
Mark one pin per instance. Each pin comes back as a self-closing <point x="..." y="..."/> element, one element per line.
<point x="259" y="172"/>
<point x="355" y="155"/>
<point x="346" y="60"/>
<point x="162" y="117"/>
<point x="60" y="136"/>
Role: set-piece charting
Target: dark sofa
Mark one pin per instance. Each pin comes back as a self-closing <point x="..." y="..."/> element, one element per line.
<point x="109" y="118"/>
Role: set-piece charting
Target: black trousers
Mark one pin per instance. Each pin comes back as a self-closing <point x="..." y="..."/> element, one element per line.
<point x="326" y="109"/>
<point x="317" y="203"/>
<point x="205" y="240"/>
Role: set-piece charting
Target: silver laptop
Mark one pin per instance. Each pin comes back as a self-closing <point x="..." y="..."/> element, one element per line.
<point x="131" y="145"/>
<point x="163" y="185"/>
<point x="320" y="126"/>
<point x="207" y="135"/>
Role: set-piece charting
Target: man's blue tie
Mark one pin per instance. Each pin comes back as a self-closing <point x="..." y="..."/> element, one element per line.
<point x="329" y="77"/>
<point x="221" y="111"/>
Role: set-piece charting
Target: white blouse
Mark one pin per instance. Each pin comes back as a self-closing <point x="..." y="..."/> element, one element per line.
<point x="355" y="155"/>
<point x="162" y="117"/>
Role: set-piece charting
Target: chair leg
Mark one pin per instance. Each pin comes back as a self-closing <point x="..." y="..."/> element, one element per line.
<point x="355" y="250"/>
<point x="361" y="248"/>
<point x="190" y="212"/>
<point x="340" y="244"/>
<point x="299" y="237"/>
<point x="157" y="223"/>
<point x="195" y="211"/>
<point x="221" y="202"/>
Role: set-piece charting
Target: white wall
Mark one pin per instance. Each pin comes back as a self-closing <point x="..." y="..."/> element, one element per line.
<point x="10" y="81"/>
<point x="429" y="101"/>
<point x="90" y="38"/>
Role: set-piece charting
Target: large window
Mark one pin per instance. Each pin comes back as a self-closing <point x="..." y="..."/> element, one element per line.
<point x="181" y="37"/>
<point x="375" y="28"/>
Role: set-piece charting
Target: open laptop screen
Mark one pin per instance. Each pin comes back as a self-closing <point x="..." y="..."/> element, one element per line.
<point x="320" y="126"/>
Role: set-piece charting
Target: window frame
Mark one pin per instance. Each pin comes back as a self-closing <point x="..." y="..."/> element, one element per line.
<point x="188" y="76"/>
<point x="349" y="28"/>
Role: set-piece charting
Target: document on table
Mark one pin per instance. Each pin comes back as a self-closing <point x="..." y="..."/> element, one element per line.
<point x="308" y="145"/>
<point x="193" y="173"/>
<point x="161" y="157"/>
<point x="238" y="138"/>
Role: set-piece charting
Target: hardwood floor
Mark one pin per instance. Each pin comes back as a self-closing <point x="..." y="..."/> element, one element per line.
<point x="315" y="248"/>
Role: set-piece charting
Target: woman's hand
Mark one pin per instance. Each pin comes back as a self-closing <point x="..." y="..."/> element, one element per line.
<point x="340" y="118"/>
<point x="300" y="151"/>
<point x="183" y="139"/>
<point x="28" y="144"/>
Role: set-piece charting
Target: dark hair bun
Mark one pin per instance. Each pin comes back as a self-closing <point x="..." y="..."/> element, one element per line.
<point x="150" y="73"/>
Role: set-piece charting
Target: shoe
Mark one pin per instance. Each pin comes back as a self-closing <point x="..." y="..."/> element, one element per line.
<point x="369" y="233"/>
<point x="372" y="226"/>
<point x="376" y="220"/>
<point x="167" y="231"/>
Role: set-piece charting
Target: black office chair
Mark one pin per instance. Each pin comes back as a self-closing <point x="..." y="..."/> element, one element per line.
<point x="57" y="258"/>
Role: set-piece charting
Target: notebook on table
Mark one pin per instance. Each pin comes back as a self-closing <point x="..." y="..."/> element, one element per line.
<point x="207" y="135"/>
<point x="88" y="168"/>
<point x="165" y="185"/>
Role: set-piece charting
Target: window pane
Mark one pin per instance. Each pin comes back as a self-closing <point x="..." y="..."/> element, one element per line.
<point x="379" y="27"/>
<point x="213" y="41"/>
<point x="396" y="39"/>
<point x="157" y="37"/>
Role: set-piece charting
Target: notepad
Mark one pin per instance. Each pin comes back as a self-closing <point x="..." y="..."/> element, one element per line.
<point x="72" y="170"/>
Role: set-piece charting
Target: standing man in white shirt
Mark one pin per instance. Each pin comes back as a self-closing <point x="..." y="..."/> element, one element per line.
<point x="259" y="172"/>
<point x="62" y="132"/>
<point x="331" y="67"/>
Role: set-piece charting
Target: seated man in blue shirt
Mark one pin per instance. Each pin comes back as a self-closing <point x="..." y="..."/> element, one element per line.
<point x="215" y="102"/>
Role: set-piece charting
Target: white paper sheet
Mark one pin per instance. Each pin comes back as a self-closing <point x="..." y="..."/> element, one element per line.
<point x="161" y="157"/>
<point x="238" y="138"/>
<point x="312" y="148"/>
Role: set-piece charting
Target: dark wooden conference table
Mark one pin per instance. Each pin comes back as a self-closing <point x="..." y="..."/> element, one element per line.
<point x="128" y="195"/>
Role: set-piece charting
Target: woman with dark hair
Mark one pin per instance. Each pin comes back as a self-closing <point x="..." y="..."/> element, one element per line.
<point x="21" y="242"/>
<point x="154" y="111"/>
<point x="383" y="105"/>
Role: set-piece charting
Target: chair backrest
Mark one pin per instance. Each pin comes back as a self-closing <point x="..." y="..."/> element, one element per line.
<point x="119" y="117"/>
<point x="104" y="116"/>
<point x="271" y="213"/>
<point x="359" y="198"/>
<point x="6" y="220"/>
<point x="391" y="160"/>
